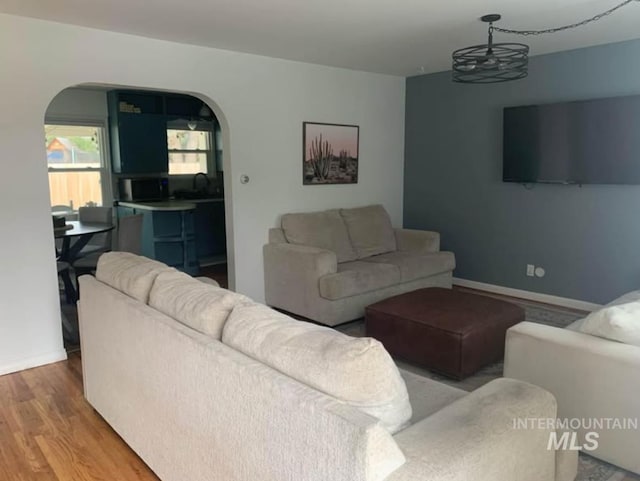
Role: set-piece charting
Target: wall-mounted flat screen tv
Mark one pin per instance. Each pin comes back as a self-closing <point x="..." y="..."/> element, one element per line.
<point x="587" y="142"/>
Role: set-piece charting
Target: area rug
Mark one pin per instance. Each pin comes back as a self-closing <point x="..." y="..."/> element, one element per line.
<point x="589" y="469"/>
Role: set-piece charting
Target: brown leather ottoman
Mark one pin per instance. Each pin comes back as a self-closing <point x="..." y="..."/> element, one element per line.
<point x="451" y="332"/>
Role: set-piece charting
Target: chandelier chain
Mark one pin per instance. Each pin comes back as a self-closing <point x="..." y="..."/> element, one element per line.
<point x="595" y="18"/>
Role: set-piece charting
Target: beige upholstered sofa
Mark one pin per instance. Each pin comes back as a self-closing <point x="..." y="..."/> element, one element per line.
<point x="206" y="384"/>
<point x="593" y="379"/>
<point x="327" y="266"/>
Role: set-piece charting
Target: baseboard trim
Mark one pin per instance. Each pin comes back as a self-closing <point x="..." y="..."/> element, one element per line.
<point x="531" y="296"/>
<point x="36" y="361"/>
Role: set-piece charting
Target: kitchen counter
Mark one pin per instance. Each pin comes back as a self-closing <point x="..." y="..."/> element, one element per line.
<point x="169" y="205"/>
<point x="181" y="233"/>
<point x="205" y="200"/>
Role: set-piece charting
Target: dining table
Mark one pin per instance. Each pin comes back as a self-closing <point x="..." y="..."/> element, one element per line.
<point x="75" y="235"/>
<point x="80" y="233"/>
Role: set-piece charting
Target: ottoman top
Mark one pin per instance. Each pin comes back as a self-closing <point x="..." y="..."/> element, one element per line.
<point x="449" y="310"/>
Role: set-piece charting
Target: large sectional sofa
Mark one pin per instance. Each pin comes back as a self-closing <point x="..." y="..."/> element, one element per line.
<point x="205" y="384"/>
<point x="593" y="369"/>
<point x="328" y="266"/>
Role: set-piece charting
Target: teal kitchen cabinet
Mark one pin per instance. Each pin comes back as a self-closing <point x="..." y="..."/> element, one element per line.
<point x="168" y="232"/>
<point x="138" y="132"/>
<point x="209" y="220"/>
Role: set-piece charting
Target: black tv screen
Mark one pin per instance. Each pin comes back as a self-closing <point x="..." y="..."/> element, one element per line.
<point x="588" y="142"/>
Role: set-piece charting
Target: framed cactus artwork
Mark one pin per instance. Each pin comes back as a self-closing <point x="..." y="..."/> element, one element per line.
<point x="330" y="153"/>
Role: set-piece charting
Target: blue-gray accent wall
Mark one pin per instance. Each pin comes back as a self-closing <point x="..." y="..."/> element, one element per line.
<point x="586" y="238"/>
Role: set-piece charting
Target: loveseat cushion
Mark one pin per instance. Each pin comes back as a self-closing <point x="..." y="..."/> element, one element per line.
<point x="325" y="230"/>
<point x="370" y="230"/>
<point x="199" y="305"/>
<point x="131" y="274"/>
<point x="358" y="277"/>
<point x="357" y="371"/>
<point x="415" y="266"/>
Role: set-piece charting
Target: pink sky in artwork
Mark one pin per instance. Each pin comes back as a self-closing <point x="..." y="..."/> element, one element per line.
<point x="340" y="137"/>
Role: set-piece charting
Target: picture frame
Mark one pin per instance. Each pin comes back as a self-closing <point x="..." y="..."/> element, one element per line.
<point x="330" y="153"/>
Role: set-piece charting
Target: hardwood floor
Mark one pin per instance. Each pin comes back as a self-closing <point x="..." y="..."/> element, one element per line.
<point x="217" y="272"/>
<point x="48" y="432"/>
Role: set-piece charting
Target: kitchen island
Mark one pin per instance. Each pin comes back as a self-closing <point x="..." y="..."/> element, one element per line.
<point x="184" y="234"/>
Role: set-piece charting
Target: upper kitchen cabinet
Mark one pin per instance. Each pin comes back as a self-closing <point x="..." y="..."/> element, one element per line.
<point x="186" y="107"/>
<point x="138" y="128"/>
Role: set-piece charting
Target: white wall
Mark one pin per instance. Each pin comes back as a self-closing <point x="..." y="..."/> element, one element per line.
<point x="262" y="101"/>
<point x="79" y="103"/>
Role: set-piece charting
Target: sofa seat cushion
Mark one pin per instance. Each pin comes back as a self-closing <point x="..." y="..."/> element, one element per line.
<point x="199" y="305"/>
<point x="130" y="274"/>
<point x="370" y="230"/>
<point x="358" y="277"/>
<point x="415" y="266"/>
<point x="356" y="371"/>
<point x="325" y="230"/>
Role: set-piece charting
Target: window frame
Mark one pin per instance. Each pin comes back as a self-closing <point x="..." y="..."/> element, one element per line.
<point x="105" y="158"/>
<point x="181" y="124"/>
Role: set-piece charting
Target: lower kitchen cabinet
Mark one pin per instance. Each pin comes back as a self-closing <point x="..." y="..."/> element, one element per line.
<point x="211" y="240"/>
<point x="167" y="235"/>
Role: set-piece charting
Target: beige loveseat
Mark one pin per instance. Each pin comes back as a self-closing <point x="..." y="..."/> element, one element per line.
<point x="205" y="384"/>
<point x="595" y="380"/>
<point x="328" y="266"/>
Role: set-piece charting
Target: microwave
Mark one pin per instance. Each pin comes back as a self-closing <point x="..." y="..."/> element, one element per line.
<point x="143" y="189"/>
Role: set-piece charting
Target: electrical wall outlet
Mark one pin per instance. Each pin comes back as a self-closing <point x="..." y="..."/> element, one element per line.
<point x="531" y="270"/>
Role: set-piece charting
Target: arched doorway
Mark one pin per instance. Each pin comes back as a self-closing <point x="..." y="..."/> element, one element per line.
<point x="93" y="135"/>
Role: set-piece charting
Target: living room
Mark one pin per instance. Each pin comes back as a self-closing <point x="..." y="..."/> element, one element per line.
<point x="430" y="153"/>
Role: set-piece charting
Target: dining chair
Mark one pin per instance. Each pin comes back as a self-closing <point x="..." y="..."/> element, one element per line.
<point x="130" y="234"/>
<point x="129" y="239"/>
<point x="100" y="242"/>
<point x="68" y="213"/>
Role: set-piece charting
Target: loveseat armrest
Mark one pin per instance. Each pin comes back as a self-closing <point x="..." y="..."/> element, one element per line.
<point x="417" y="240"/>
<point x="476" y="437"/>
<point x="292" y="273"/>
<point x="592" y="379"/>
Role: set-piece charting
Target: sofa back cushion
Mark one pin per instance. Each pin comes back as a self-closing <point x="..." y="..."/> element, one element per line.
<point x="357" y="371"/>
<point x="617" y="322"/>
<point x="370" y="230"/>
<point x="131" y="274"/>
<point x="199" y="305"/>
<point x="325" y="230"/>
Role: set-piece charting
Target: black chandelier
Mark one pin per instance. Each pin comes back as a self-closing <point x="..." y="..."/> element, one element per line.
<point x="503" y="62"/>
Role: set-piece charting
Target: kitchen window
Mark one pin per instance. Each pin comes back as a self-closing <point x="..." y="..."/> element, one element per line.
<point x="190" y="147"/>
<point x="76" y="165"/>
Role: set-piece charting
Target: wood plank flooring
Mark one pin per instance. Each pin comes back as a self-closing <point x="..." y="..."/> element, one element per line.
<point x="48" y="432"/>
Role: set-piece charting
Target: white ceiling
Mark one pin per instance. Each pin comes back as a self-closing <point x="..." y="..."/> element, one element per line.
<point x="388" y="36"/>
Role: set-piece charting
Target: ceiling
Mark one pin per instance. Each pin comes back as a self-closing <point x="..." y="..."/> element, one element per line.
<point x="401" y="37"/>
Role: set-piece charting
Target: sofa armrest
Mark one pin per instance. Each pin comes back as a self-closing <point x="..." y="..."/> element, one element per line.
<point x="417" y="240"/>
<point x="476" y="437"/>
<point x="590" y="377"/>
<point x="292" y="273"/>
